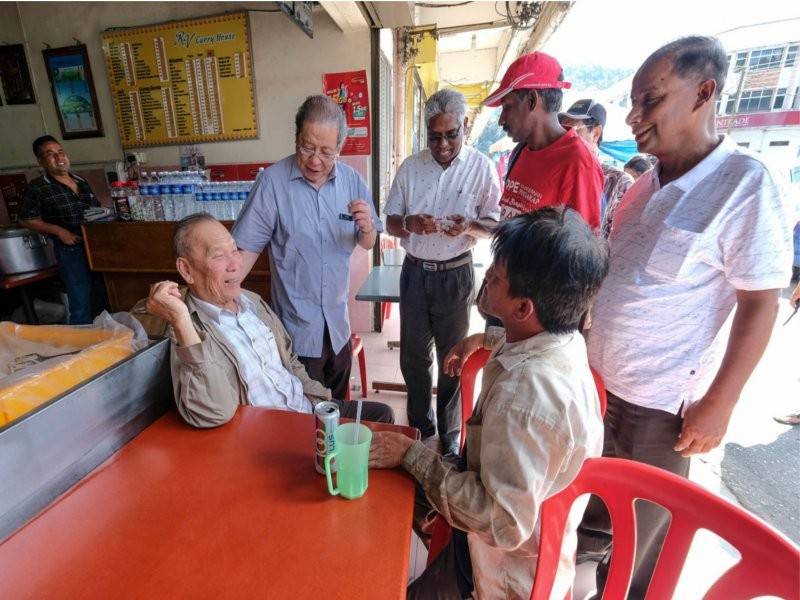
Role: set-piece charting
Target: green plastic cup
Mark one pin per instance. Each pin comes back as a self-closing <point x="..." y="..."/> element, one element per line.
<point x="352" y="457"/>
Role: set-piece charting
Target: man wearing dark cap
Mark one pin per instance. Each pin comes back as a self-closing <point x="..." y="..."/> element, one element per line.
<point x="588" y="119"/>
<point x="551" y="165"/>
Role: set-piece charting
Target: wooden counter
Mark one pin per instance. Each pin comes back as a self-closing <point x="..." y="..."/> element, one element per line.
<point x="134" y="255"/>
<point x="236" y="511"/>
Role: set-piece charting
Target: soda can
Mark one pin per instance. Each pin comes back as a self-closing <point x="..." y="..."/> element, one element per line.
<point x="326" y="415"/>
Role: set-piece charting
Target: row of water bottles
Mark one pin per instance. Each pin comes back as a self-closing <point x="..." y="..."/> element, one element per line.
<point x="173" y="195"/>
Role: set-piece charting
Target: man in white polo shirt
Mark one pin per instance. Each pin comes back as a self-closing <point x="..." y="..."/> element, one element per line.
<point x="441" y="200"/>
<point x="708" y="229"/>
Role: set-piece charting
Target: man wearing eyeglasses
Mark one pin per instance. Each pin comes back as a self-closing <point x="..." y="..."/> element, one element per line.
<point x="587" y="118"/>
<point x="442" y="199"/>
<point x="312" y="212"/>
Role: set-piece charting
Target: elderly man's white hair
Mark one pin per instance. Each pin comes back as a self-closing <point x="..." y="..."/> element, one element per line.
<point x="446" y="101"/>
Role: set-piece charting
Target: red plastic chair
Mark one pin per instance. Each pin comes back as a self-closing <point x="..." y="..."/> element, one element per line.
<point x="469" y="372"/>
<point x="441" y="529"/>
<point x="358" y="350"/>
<point x="769" y="563"/>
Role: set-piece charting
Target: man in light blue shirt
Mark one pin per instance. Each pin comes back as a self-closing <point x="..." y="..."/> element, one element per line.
<point x="312" y="212"/>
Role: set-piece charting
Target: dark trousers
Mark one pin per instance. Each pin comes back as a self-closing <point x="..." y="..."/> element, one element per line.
<point x="449" y="576"/>
<point x="331" y="369"/>
<point x="645" y="435"/>
<point x="434" y="310"/>
<point x="85" y="290"/>
<point x="377" y="412"/>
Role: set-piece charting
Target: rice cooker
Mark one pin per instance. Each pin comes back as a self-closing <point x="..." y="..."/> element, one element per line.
<point x="23" y="250"/>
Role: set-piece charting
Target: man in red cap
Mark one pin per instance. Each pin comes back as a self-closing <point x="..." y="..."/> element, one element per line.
<point x="551" y="165"/>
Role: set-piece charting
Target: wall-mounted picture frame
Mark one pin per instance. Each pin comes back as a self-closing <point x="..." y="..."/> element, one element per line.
<point x="72" y="85"/>
<point x="15" y="78"/>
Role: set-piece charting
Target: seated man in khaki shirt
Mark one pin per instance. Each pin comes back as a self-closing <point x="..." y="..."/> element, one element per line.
<point x="228" y="347"/>
<point x="535" y="422"/>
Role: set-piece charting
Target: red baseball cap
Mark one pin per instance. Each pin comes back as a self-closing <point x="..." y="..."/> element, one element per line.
<point x="534" y="71"/>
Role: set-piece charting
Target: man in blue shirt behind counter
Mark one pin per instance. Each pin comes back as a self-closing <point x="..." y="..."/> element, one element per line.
<point x="312" y="211"/>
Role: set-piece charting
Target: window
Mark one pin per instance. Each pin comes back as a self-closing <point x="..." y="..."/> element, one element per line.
<point x="796" y="102"/>
<point x="756" y="100"/>
<point x="779" y="143"/>
<point x="741" y="60"/>
<point x="791" y="55"/>
<point x="767" y="58"/>
<point x="731" y="105"/>
<point x="780" y="96"/>
<point x="743" y="144"/>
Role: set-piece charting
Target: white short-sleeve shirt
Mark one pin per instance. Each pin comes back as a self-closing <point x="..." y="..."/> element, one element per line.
<point x="678" y="256"/>
<point x="468" y="187"/>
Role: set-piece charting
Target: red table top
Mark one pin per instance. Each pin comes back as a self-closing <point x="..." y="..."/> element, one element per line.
<point x="232" y="512"/>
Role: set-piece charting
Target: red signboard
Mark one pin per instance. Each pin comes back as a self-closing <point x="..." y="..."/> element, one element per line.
<point x="350" y="91"/>
<point x="764" y="119"/>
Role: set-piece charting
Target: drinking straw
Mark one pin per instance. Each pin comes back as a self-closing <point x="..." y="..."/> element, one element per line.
<point x="358" y="422"/>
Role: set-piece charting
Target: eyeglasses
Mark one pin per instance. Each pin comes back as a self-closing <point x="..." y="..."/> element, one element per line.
<point x="451" y="136"/>
<point x="327" y="157"/>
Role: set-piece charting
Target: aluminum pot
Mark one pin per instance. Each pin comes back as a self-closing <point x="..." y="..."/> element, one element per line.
<point x="23" y="250"/>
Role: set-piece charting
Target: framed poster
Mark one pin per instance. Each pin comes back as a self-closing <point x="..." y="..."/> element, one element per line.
<point x="71" y="82"/>
<point x="350" y="91"/>
<point x="14" y="75"/>
<point x="183" y="82"/>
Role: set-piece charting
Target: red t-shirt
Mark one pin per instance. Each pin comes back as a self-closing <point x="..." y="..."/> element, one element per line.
<point x="565" y="172"/>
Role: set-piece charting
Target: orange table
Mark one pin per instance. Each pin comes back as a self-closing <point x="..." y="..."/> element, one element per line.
<point x="232" y="512"/>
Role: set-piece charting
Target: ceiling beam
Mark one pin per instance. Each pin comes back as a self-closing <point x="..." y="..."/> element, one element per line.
<point x="346" y="15"/>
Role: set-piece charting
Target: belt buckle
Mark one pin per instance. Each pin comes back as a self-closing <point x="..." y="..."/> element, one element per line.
<point x="429" y="266"/>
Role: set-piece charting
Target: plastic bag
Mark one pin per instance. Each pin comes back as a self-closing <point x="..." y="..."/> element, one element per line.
<point x="40" y="362"/>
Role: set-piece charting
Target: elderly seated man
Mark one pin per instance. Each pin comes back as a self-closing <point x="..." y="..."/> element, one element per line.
<point x="535" y="422"/>
<point x="228" y="346"/>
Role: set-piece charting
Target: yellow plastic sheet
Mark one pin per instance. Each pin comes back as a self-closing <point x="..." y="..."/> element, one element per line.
<point x="68" y="355"/>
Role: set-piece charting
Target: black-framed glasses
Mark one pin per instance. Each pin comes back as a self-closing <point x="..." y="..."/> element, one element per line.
<point x="450" y="136"/>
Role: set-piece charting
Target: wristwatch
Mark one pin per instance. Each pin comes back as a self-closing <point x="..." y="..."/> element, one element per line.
<point x="405" y="226"/>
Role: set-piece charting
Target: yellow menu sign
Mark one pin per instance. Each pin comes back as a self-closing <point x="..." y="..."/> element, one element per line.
<point x="182" y="82"/>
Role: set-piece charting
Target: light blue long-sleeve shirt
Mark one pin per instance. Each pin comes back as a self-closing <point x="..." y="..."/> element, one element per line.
<point x="309" y="248"/>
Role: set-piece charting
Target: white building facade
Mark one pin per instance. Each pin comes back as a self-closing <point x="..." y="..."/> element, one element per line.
<point x="760" y="104"/>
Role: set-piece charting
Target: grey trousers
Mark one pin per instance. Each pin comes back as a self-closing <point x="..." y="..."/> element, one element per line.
<point x="434" y="311"/>
<point x="645" y="435"/>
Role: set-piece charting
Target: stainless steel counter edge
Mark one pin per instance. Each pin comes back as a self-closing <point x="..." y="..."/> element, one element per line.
<point x="50" y="449"/>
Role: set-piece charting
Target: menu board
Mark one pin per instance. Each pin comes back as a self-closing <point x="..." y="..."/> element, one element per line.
<point x="182" y="82"/>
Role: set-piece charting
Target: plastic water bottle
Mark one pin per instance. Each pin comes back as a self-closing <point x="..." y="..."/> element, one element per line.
<point x="155" y="196"/>
<point x="241" y="197"/>
<point x="201" y="203"/>
<point x="165" y="194"/>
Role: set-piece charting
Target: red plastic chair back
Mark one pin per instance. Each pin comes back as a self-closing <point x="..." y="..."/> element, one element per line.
<point x="769" y="563"/>
<point x="469" y="372"/>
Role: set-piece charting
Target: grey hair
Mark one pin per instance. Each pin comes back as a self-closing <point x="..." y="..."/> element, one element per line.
<point x="321" y="109"/>
<point x="446" y="101"/>
<point x="697" y="56"/>
<point x="180" y="240"/>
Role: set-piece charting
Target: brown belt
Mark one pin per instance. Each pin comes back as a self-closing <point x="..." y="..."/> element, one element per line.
<point x="441" y="265"/>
